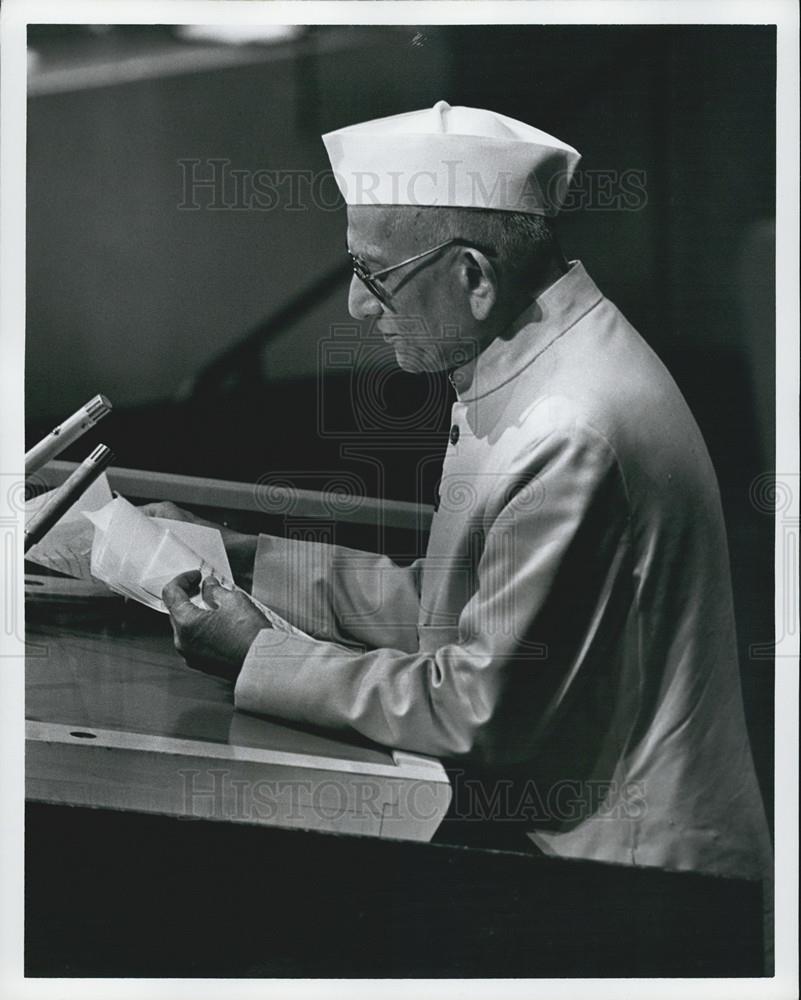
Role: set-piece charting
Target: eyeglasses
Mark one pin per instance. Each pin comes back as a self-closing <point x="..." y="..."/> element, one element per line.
<point x="371" y="279"/>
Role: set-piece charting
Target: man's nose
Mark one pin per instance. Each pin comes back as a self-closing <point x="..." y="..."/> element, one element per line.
<point x="362" y="304"/>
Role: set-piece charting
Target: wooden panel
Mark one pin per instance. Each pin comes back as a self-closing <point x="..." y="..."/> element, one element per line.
<point x="153" y="774"/>
<point x="113" y="894"/>
<point x="117" y="720"/>
<point x="144" y="485"/>
<point x="125" y="674"/>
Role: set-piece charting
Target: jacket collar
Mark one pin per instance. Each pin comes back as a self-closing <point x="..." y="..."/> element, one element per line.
<point x="558" y="308"/>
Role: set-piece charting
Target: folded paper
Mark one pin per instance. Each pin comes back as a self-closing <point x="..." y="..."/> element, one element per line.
<point x="106" y="538"/>
<point x="136" y="555"/>
<point x="67" y="547"/>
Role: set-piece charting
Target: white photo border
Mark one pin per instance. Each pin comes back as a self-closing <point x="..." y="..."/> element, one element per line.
<point x="15" y="15"/>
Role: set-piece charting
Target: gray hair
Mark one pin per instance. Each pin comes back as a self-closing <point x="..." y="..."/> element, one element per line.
<point x="524" y="246"/>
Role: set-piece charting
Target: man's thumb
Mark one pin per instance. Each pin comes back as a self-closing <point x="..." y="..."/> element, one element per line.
<point x="213" y="592"/>
<point x="177" y="592"/>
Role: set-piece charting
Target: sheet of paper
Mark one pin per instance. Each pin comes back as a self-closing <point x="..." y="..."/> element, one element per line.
<point x="67" y="546"/>
<point x="107" y="539"/>
<point x="136" y="555"/>
<point x="181" y="540"/>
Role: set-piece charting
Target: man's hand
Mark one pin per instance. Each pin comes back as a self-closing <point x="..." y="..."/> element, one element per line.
<point x="170" y="510"/>
<point x="240" y="548"/>
<point x="215" y="641"/>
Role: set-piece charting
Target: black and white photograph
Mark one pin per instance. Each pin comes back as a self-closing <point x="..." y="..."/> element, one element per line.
<point x="400" y="499"/>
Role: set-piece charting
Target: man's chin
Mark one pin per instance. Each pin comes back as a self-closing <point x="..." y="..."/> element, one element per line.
<point x="417" y="362"/>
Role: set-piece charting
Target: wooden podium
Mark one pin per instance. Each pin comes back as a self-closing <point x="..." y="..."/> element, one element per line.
<point x="116" y="720"/>
<point x="169" y="835"/>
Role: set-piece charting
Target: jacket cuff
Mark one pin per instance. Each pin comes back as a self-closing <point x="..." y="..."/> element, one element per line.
<point x="292" y="578"/>
<point x="271" y="679"/>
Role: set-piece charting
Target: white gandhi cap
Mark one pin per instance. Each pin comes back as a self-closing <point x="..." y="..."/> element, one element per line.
<point x="457" y="157"/>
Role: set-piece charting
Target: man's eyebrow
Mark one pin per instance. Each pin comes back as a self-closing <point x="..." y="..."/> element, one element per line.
<point x="366" y="252"/>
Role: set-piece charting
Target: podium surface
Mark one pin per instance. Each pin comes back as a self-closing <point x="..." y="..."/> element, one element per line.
<point x="115" y="719"/>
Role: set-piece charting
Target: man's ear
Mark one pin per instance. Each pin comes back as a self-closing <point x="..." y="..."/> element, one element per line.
<point x="479" y="282"/>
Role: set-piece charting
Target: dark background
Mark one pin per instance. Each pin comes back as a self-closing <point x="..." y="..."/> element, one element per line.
<point x="130" y="295"/>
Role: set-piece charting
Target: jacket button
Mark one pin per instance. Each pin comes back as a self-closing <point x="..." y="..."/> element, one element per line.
<point x="454" y="433"/>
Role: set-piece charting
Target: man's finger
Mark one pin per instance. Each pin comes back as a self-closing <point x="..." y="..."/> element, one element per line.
<point x="177" y="592"/>
<point x="212" y="590"/>
<point x="166" y="509"/>
<point x="157" y="508"/>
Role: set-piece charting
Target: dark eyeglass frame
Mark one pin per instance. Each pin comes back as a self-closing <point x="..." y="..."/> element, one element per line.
<point x="371" y="279"/>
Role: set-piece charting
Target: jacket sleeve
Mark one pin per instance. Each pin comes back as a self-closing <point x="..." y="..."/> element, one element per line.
<point x="336" y="593"/>
<point x="546" y="581"/>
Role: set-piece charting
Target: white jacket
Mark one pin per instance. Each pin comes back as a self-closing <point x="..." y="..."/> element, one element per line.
<point x="572" y="619"/>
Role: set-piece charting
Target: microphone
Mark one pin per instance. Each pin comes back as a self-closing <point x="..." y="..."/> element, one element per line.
<point x="65" y="496"/>
<point x="61" y="437"/>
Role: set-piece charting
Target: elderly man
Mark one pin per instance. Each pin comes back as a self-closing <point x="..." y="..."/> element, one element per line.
<point x="570" y="632"/>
